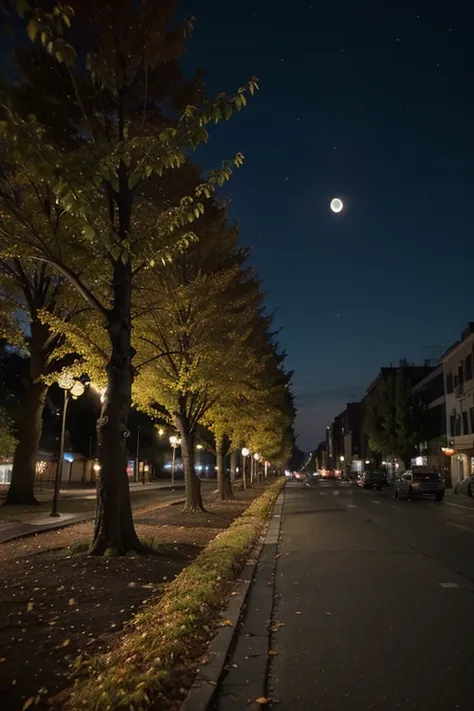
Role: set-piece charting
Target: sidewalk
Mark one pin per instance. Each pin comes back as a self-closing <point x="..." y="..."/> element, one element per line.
<point x="38" y="521"/>
<point x="87" y="492"/>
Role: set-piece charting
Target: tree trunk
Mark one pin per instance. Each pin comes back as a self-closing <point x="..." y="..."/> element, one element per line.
<point x="191" y="480"/>
<point x="21" y="490"/>
<point x="223" y="483"/>
<point x="234" y="458"/>
<point x="114" y="530"/>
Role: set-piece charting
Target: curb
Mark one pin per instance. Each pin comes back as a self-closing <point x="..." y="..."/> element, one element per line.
<point x="202" y="693"/>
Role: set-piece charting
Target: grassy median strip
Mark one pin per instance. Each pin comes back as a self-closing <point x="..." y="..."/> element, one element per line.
<point x="160" y="651"/>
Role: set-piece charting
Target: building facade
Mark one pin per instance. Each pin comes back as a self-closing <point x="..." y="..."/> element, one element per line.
<point x="458" y="367"/>
<point x="430" y="391"/>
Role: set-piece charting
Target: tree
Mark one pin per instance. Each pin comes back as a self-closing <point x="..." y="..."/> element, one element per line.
<point x="260" y="413"/>
<point x="394" y="416"/>
<point x="138" y="119"/>
<point x="26" y="292"/>
<point x="195" y="337"/>
<point x="7" y="439"/>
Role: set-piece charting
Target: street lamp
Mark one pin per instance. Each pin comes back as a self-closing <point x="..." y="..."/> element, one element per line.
<point x="174" y="442"/>
<point x="161" y="432"/>
<point x="199" y="447"/>
<point x="245" y="454"/>
<point x="256" y="458"/>
<point x="72" y="388"/>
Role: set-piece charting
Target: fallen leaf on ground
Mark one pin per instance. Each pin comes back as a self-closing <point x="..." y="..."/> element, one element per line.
<point x="30" y="606"/>
<point x="272" y="653"/>
<point x="71" y="601"/>
<point x="3" y="659"/>
<point x="66" y="643"/>
<point x="227" y="623"/>
<point x="276" y="626"/>
<point x="262" y="700"/>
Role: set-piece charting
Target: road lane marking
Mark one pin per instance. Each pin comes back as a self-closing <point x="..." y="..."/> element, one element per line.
<point x="352" y="506"/>
<point x="459" y="525"/>
<point x="374" y="501"/>
<point x="448" y="585"/>
<point x="397" y="508"/>
<point x="459" y="506"/>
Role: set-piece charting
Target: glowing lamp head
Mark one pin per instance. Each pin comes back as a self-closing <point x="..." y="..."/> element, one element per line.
<point x="245" y="452"/>
<point x="336" y="205"/>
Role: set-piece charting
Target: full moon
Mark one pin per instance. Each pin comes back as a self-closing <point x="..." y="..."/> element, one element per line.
<point x="336" y="205"/>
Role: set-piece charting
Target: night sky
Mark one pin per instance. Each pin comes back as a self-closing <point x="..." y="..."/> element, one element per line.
<point x="371" y="102"/>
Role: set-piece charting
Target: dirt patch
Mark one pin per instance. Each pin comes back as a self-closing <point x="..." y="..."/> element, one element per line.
<point x="56" y="604"/>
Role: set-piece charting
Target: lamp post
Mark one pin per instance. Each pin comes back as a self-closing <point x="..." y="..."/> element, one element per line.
<point x="199" y="447"/>
<point x="245" y="454"/>
<point x="96" y="468"/>
<point x="72" y="388"/>
<point x="175" y="442"/>
<point x="341" y="459"/>
<point x="256" y="457"/>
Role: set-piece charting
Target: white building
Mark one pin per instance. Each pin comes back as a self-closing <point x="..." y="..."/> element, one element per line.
<point x="459" y="387"/>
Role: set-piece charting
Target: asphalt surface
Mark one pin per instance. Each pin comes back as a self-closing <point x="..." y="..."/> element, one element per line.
<point x="376" y="600"/>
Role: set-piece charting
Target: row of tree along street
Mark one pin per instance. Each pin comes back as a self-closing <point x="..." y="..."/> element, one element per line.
<point x="118" y="260"/>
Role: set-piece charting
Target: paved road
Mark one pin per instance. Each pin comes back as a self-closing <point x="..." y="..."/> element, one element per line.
<point x="376" y="597"/>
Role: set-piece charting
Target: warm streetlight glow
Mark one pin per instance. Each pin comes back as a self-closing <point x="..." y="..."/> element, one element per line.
<point x="96" y="467"/>
<point x="199" y="446"/>
<point x="161" y="431"/>
<point x="173" y="440"/>
<point x="341" y="457"/>
<point x="448" y="451"/>
<point x="66" y="382"/>
<point x="245" y="452"/>
<point x="77" y="389"/>
<point x="256" y="456"/>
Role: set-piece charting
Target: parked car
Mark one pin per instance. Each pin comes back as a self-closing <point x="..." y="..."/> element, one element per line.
<point x="466" y="486"/>
<point x="373" y="480"/>
<point x="419" y="482"/>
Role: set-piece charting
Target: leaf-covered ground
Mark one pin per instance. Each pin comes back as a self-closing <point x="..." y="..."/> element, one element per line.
<point x="57" y="604"/>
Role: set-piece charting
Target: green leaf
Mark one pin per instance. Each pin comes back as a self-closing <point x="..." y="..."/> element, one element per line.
<point x="22" y="7"/>
<point x="89" y="232"/>
<point x="32" y="29"/>
<point x="135" y="177"/>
